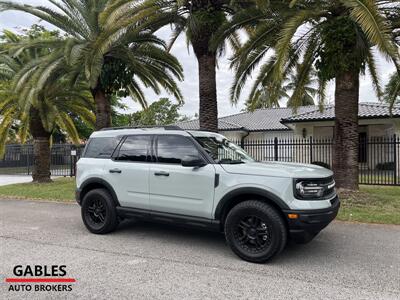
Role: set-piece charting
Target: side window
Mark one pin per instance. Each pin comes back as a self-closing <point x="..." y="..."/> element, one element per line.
<point x="171" y="149"/>
<point x="101" y="147"/>
<point x="135" y="148"/>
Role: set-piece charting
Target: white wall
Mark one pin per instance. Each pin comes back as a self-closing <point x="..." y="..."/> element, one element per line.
<point x="323" y="132"/>
<point x="318" y="130"/>
<point x="262" y="135"/>
<point x="257" y="149"/>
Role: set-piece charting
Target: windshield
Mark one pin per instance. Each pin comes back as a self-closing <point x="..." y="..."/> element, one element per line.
<point x="222" y="150"/>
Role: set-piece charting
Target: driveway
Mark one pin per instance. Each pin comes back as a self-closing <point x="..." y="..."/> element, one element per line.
<point x="148" y="261"/>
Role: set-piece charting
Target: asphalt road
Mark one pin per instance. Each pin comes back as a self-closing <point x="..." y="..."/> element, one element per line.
<point x="150" y="261"/>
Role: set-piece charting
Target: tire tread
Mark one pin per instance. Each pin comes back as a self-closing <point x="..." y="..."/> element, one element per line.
<point x="274" y="217"/>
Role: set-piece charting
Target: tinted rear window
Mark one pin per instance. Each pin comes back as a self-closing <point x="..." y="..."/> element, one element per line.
<point x="135" y="148"/>
<point x="101" y="147"/>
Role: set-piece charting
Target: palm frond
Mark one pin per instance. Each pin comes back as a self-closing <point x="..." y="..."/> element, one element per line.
<point x="366" y="14"/>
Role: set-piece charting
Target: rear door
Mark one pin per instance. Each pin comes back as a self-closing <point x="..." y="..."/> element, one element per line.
<point x="177" y="189"/>
<point x="128" y="171"/>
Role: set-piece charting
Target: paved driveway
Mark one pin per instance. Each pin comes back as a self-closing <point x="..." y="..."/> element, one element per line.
<point x="147" y="261"/>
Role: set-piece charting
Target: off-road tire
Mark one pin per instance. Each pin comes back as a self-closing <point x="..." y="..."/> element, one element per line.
<point x="248" y="246"/>
<point x="93" y="222"/>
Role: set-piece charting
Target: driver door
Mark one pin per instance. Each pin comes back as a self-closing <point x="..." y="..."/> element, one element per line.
<point x="176" y="189"/>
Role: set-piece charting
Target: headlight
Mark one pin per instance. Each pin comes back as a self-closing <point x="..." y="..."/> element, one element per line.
<point x="308" y="189"/>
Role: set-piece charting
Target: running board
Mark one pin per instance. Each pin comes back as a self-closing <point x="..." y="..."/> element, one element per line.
<point x="169" y="218"/>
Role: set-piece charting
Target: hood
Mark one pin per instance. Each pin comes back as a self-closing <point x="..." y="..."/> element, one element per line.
<point x="278" y="169"/>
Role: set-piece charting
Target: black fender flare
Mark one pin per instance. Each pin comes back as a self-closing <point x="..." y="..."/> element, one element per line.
<point x="246" y="191"/>
<point x="99" y="181"/>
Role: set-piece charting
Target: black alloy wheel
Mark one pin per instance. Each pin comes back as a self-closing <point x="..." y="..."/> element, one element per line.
<point x="253" y="234"/>
<point x="255" y="231"/>
<point x="98" y="211"/>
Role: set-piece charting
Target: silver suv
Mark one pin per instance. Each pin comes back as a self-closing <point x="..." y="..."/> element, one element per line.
<point x="198" y="178"/>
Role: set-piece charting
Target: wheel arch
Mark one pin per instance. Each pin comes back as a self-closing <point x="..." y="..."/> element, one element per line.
<point x="97" y="183"/>
<point x="237" y="196"/>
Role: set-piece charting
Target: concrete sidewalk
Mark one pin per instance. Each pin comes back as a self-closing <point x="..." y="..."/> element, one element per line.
<point x="11" y="179"/>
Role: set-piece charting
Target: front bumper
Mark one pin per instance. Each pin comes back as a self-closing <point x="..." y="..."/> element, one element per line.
<point x="309" y="223"/>
<point x="78" y="196"/>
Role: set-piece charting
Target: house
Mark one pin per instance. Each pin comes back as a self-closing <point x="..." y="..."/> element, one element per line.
<point x="307" y="136"/>
<point x="308" y="121"/>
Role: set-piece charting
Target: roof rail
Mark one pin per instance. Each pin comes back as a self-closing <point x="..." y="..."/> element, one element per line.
<point x="165" y="127"/>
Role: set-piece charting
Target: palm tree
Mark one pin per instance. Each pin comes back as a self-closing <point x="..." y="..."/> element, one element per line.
<point x="112" y="58"/>
<point x="41" y="112"/>
<point x="199" y="20"/>
<point x="269" y="95"/>
<point x="306" y="95"/>
<point x="337" y="38"/>
<point x="392" y="90"/>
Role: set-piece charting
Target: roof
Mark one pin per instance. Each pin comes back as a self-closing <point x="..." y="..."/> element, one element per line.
<point x="365" y="111"/>
<point x="271" y="119"/>
<point x="113" y="132"/>
<point x="267" y="119"/>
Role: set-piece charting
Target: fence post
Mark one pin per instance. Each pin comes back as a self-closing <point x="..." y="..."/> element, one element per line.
<point x="28" y="153"/>
<point x="276" y="149"/>
<point x="311" y="150"/>
<point x="395" y="158"/>
<point x="71" y="162"/>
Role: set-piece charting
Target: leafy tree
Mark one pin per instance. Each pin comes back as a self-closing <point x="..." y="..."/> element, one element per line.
<point x="199" y="20"/>
<point x="119" y="119"/>
<point x="161" y="112"/>
<point x="113" y="57"/>
<point x="337" y="38"/>
<point x="42" y="113"/>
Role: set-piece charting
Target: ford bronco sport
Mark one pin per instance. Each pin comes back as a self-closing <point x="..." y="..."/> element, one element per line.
<point x="198" y="178"/>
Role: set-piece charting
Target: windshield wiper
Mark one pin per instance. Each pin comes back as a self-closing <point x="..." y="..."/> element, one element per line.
<point x="230" y="161"/>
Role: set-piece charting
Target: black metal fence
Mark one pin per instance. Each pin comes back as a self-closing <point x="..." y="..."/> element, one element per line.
<point x="18" y="159"/>
<point x="379" y="157"/>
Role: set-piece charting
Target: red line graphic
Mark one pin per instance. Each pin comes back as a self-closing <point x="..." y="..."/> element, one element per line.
<point x="40" y="280"/>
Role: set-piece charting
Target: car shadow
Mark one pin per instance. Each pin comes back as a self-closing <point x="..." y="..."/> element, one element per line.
<point x="176" y="232"/>
<point x="214" y="242"/>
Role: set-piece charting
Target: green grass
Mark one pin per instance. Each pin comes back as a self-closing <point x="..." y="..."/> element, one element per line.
<point x="61" y="189"/>
<point x="372" y="204"/>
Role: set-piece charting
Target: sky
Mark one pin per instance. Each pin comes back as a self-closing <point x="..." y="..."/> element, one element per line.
<point x="16" y="21"/>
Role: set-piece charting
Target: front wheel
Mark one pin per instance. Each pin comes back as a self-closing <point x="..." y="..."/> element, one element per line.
<point x="255" y="231"/>
<point x="98" y="211"/>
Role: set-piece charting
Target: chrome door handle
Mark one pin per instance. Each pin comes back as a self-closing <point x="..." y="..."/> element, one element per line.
<point x="161" y="173"/>
<point x="115" y="171"/>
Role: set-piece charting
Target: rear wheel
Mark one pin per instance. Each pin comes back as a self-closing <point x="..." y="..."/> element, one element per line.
<point x="98" y="211"/>
<point x="255" y="231"/>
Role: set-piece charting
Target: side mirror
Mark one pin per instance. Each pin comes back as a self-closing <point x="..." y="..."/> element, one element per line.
<point x="193" y="161"/>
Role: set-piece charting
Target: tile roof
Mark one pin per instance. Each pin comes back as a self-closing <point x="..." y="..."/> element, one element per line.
<point x="269" y="119"/>
<point x="259" y="120"/>
<point x="365" y="111"/>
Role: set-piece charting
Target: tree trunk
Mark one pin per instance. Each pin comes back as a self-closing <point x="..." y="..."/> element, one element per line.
<point x="345" y="152"/>
<point x="103" y="108"/>
<point x="41" y="148"/>
<point x="208" y="111"/>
